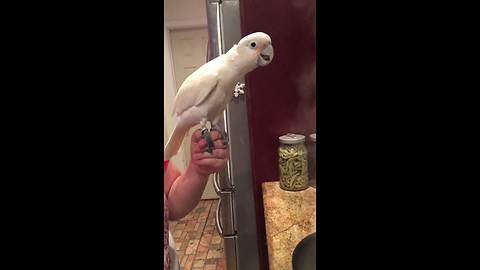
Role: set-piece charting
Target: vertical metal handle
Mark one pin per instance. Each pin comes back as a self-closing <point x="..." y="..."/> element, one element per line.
<point x="217" y="219"/>
<point x="216" y="187"/>
<point x="216" y="48"/>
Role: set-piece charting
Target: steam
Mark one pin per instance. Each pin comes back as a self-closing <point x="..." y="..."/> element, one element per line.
<point x="309" y="8"/>
<point x="304" y="118"/>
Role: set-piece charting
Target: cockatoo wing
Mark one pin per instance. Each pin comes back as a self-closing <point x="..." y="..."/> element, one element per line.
<point x="196" y="87"/>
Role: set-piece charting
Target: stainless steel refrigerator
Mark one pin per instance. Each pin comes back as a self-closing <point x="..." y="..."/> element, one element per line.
<point x="235" y="214"/>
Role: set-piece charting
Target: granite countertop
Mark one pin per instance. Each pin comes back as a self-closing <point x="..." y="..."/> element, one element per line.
<point x="289" y="217"/>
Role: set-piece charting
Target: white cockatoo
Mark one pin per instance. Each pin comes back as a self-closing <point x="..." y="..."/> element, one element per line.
<point x="204" y="95"/>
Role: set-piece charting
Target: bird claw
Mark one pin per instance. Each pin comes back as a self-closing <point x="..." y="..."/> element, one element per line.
<point x="206" y="135"/>
<point x="239" y="89"/>
<point x="222" y="133"/>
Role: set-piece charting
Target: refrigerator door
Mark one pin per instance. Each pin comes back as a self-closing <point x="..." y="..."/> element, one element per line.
<point x="224" y="224"/>
<point x="235" y="218"/>
<point x="224" y="214"/>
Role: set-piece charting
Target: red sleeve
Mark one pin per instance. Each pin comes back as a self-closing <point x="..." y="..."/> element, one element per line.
<point x="165" y="163"/>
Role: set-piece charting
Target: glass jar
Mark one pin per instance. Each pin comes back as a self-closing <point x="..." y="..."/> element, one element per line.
<point x="292" y="162"/>
<point x="312" y="160"/>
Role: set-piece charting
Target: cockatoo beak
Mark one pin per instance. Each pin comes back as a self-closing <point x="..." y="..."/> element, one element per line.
<point x="266" y="56"/>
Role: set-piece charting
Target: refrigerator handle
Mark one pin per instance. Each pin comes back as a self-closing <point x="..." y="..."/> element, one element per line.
<point x="217" y="219"/>
<point x="216" y="185"/>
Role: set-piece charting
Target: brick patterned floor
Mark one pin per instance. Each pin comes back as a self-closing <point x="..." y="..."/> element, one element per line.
<point x="199" y="247"/>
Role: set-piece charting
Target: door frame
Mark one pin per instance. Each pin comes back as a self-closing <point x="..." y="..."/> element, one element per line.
<point x="169" y="78"/>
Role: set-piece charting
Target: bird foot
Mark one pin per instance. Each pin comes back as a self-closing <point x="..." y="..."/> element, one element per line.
<point x="206" y="135"/>
<point x="239" y="89"/>
<point x="222" y="133"/>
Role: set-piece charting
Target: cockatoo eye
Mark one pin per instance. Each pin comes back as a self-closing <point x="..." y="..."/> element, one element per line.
<point x="253" y="44"/>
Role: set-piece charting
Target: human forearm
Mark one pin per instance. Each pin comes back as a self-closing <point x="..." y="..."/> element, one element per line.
<point x="185" y="192"/>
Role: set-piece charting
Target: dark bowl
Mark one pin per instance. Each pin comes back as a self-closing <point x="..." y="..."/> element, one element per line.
<point x="304" y="257"/>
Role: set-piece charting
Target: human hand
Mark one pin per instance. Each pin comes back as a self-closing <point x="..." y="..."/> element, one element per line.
<point x="206" y="163"/>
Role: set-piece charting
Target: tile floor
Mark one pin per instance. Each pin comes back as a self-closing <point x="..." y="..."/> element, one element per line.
<point x="199" y="247"/>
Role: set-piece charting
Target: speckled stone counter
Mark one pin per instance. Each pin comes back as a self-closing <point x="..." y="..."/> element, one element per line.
<point x="289" y="217"/>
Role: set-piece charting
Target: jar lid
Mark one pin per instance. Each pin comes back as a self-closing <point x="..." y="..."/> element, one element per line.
<point x="313" y="137"/>
<point x="291" y="138"/>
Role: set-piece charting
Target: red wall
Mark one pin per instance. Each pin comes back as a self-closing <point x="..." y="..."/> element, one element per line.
<point x="281" y="97"/>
